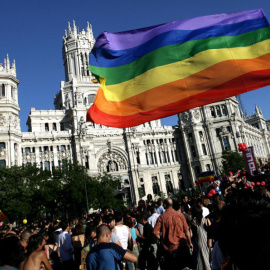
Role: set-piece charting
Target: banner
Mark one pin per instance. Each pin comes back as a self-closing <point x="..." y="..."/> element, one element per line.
<point x="250" y="160"/>
<point x="2" y="216"/>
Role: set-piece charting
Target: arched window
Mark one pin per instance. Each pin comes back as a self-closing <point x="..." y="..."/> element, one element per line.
<point x="212" y="110"/>
<point x="218" y="111"/>
<point x="224" y="110"/>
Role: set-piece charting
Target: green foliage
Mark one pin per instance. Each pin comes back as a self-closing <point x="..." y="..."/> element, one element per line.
<point x="28" y="192"/>
<point x="232" y="161"/>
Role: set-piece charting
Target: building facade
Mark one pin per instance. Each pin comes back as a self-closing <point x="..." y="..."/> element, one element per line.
<point x="149" y="158"/>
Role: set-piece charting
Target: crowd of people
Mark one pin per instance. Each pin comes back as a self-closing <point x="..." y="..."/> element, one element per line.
<point x="225" y="228"/>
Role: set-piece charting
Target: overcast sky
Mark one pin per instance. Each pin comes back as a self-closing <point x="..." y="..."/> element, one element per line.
<point x="31" y="33"/>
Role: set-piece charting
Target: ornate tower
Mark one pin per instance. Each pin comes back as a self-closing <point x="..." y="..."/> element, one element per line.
<point x="10" y="131"/>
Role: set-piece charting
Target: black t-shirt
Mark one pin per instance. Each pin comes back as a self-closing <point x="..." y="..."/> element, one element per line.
<point x="150" y="238"/>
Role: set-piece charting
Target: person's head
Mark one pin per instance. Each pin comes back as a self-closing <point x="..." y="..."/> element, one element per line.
<point x="118" y="216"/>
<point x="65" y="226"/>
<point x="103" y="234"/>
<point x="90" y="231"/>
<point x="200" y="202"/>
<point x="78" y="229"/>
<point x="143" y="218"/>
<point x="35" y="243"/>
<point x="176" y="205"/>
<point x="11" y="251"/>
<point x="244" y="227"/>
<point x="110" y="220"/>
<point x="160" y="202"/>
<point x="129" y="222"/>
<point x="152" y="210"/>
<point x="196" y="213"/>
<point x="97" y="220"/>
<point x="185" y="198"/>
<point x="168" y="203"/>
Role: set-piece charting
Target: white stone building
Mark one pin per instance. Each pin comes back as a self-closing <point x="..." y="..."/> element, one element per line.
<point x="149" y="158"/>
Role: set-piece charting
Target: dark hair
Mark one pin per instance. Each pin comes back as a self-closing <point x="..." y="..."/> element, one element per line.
<point x="176" y="205"/>
<point x="244" y="226"/>
<point x="97" y="219"/>
<point x="89" y="230"/>
<point x="118" y="216"/>
<point x="129" y="222"/>
<point x="34" y="241"/>
<point x="152" y="210"/>
<point x="78" y="229"/>
<point x="109" y="218"/>
<point x="64" y="225"/>
<point x="197" y="214"/>
<point x="11" y="251"/>
<point x="143" y="216"/>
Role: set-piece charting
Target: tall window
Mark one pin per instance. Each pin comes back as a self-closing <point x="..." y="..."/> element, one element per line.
<point x="155" y="186"/>
<point x="213" y="113"/>
<point x="86" y="162"/>
<point x="138" y="157"/>
<point x="224" y="110"/>
<point x="46" y="127"/>
<point x="218" y="111"/>
<point x="62" y="127"/>
<point x="63" y="148"/>
<point x="208" y="167"/>
<point x="27" y="149"/>
<point x="163" y="157"/>
<point x="226" y="143"/>
<point x="3" y="91"/>
<point x="2" y="163"/>
<point x="47" y="165"/>
<point x="193" y="151"/>
<point x="2" y="145"/>
<point x="204" y="149"/>
<point x="150" y="155"/>
<point x="54" y="126"/>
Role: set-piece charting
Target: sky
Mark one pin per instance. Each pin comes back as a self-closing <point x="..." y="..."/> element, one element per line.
<point x="31" y="32"/>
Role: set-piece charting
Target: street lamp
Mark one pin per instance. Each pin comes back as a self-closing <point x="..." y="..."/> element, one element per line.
<point x="81" y="132"/>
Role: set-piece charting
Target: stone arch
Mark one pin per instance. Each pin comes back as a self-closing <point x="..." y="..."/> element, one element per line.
<point x="112" y="161"/>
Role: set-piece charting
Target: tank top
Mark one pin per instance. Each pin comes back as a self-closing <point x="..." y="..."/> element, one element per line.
<point x="122" y="232"/>
<point x="133" y="234"/>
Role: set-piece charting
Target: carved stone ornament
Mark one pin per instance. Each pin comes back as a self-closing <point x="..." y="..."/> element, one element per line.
<point x="196" y="114"/>
<point x="111" y="162"/>
<point x="185" y="117"/>
<point x="3" y="119"/>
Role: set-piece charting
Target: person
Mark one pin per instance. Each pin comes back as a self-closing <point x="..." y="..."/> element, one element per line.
<point x="11" y="253"/>
<point x="110" y="221"/>
<point x="147" y="257"/>
<point x="53" y="252"/>
<point x="35" y="255"/>
<point x="205" y="210"/>
<point x="160" y="209"/>
<point x="153" y="216"/>
<point x="244" y="234"/>
<point x="78" y="240"/>
<point x="172" y="230"/>
<point x="66" y="249"/>
<point x="201" y="250"/>
<point x="24" y="237"/>
<point x="124" y="234"/>
<point x="106" y="255"/>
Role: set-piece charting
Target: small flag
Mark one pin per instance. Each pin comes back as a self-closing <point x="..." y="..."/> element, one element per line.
<point x="154" y="72"/>
<point x="206" y="177"/>
<point x="2" y="216"/>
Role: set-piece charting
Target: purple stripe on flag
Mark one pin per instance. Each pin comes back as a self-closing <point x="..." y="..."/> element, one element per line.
<point x="129" y="39"/>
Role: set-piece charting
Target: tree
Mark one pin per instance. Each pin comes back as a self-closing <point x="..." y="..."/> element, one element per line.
<point x="232" y="161"/>
<point x="103" y="191"/>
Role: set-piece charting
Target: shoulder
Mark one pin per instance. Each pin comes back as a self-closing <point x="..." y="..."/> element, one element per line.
<point x="110" y="247"/>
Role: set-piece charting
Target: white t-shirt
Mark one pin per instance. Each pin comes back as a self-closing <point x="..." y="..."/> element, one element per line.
<point x="122" y="232"/>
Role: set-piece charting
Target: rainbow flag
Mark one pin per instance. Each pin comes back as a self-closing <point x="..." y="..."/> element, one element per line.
<point x="206" y="177"/>
<point x="154" y="72"/>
